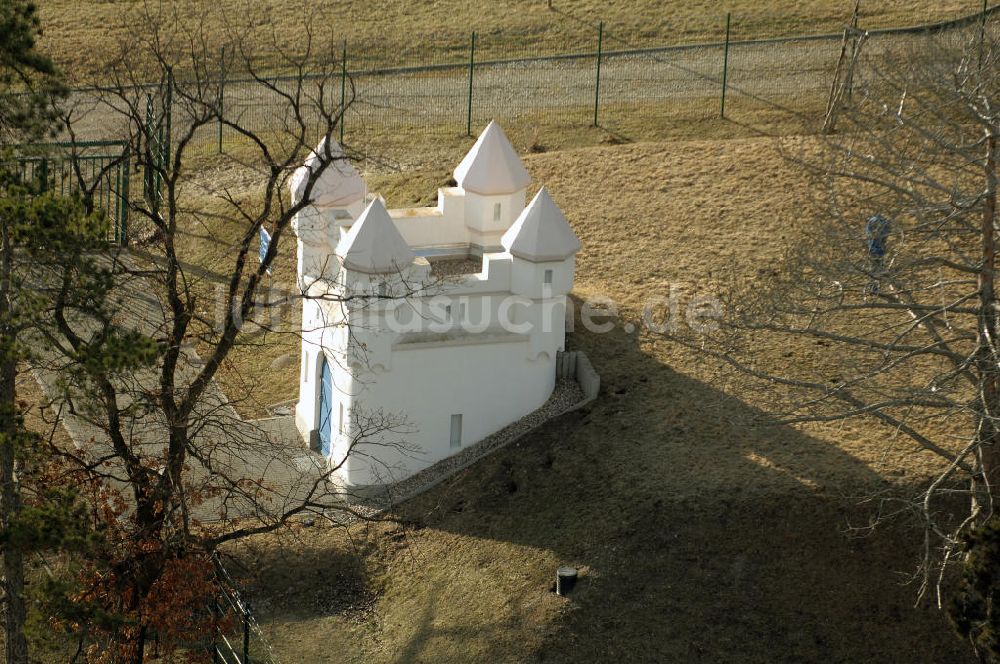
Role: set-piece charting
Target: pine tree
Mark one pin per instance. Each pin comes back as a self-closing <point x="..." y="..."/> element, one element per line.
<point x="28" y="86"/>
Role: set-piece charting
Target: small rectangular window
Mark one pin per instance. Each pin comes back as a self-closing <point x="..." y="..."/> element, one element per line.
<point x="456" y="431"/>
<point x="496" y="212"/>
<point x="548" y="277"/>
<point x="340" y="425"/>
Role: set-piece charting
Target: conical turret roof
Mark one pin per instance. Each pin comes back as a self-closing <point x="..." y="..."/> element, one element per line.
<point x="541" y="232"/>
<point x="374" y="245"/>
<point x="337" y="187"/>
<point x="492" y="167"/>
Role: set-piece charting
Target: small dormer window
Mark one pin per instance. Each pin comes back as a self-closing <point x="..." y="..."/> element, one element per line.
<point x="497" y="209"/>
<point x="547" y="278"/>
<point x="456" y="431"/>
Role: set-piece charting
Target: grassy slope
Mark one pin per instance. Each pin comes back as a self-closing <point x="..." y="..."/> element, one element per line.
<point x="700" y="540"/>
<point x="81" y="34"/>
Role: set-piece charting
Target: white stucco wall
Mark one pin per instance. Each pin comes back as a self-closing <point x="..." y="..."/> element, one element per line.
<point x="405" y="360"/>
<point x="489" y="384"/>
<point x="485" y="229"/>
<point x="426" y="373"/>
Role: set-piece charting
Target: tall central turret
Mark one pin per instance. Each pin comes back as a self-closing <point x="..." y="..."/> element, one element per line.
<point x="495" y="182"/>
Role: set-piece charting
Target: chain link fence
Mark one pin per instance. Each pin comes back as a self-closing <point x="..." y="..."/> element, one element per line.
<point x="604" y="90"/>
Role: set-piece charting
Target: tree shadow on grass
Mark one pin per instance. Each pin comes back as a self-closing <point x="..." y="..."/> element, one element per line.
<point x="701" y="539"/>
<point x="300" y="574"/>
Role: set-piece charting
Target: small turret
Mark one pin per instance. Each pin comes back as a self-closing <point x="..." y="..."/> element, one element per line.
<point x="338" y="192"/>
<point x="373" y="245"/>
<point x="338" y="187"/>
<point x="543" y="247"/>
<point x="494" y="181"/>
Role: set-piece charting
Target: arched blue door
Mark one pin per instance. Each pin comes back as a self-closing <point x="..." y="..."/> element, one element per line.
<point x="325" y="407"/>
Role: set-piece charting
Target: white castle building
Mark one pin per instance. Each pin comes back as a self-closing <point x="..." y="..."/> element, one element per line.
<point x="427" y="329"/>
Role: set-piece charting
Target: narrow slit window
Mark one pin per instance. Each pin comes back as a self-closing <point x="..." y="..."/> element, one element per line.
<point x="547" y="277"/>
<point x="340" y="425"/>
<point x="497" y="209"/>
<point x="456" y="431"/>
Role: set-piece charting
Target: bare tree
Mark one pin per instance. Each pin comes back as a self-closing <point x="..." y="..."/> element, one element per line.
<point x="892" y="280"/>
<point x="171" y="468"/>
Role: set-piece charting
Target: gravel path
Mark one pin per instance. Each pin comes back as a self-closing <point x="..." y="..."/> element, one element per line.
<point x="787" y="75"/>
<point x="253" y="468"/>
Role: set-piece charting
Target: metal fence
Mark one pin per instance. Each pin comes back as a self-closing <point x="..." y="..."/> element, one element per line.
<point x="244" y="643"/>
<point x="545" y="98"/>
<point x="98" y="172"/>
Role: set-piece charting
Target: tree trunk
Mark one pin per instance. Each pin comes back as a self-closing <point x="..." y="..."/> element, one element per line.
<point x="16" y="646"/>
<point x="10" y="506"/>
<point x="140" y="648"/>
<point x="988" y="492"/>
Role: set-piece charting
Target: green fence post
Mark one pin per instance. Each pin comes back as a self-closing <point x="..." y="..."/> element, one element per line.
<point x="216" y="612"/>
<point x="472" y="65"/>
<point x="597" y="86"/>
<point x="343" y="90"/>
<point x="147" y="176"/>
<point x="43" y="176"/>
<point x="222" y="90"/>
<point x="169" y="106"/>
<point x="119" y="204"/>
<point x="158" y="172"/>
<point x="108" y="188"/>
<point x="125" y="197"/>
<point x="246" y="635"/>
<point x="982" y="33"/>
<point x="725" y="69"/>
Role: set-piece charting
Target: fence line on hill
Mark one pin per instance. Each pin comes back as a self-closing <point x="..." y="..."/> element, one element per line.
<point x="771" y="83"/>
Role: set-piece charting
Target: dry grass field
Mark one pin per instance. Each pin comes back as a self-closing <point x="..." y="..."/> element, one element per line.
<point x="81" y="35"/>
<point x="699" y="539"/>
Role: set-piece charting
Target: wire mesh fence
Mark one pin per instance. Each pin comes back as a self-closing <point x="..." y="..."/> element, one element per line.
<point x="400" y="109"/>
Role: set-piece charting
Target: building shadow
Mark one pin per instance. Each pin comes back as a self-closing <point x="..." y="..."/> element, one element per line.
<point x="295" y="575"/>
<point x="700" y="537"/>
